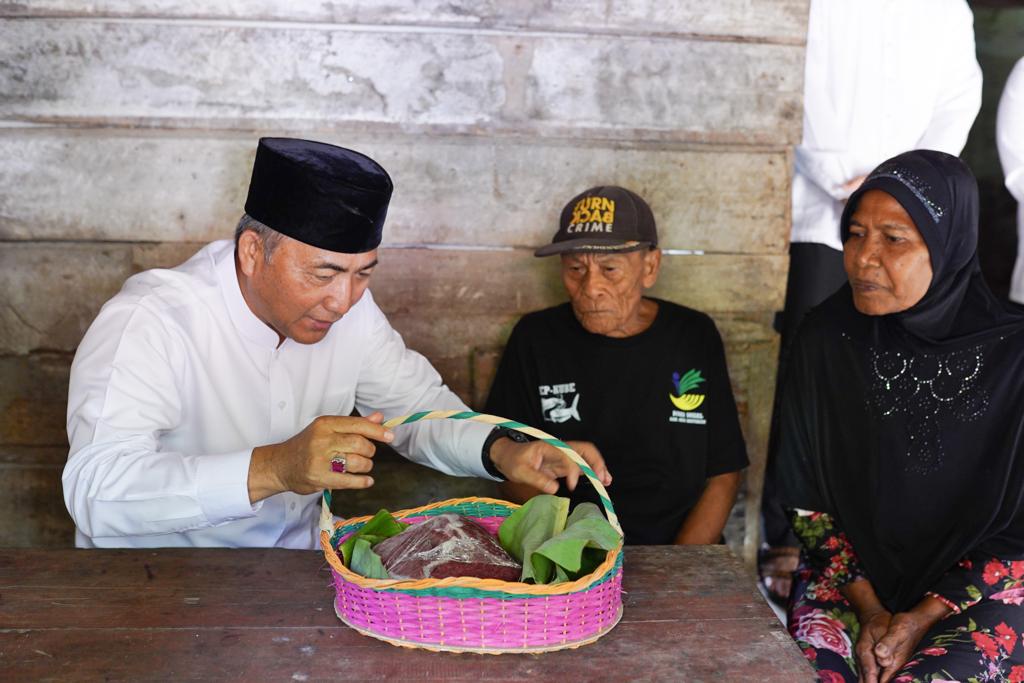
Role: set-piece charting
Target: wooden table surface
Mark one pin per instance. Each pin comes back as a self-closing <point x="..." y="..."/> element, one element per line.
<point x="691" y="614"/>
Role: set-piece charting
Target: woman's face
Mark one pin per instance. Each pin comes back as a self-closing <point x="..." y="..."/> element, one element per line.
<point x="885" y="257"/>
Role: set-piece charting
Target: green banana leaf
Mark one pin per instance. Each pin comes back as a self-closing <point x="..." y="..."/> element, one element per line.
<point x="554" y="546"/>
<point x="582" y="546"/>
<point x="365" y="562"/>
<point x="527" y="528"/>
<point x="382" y="526"/>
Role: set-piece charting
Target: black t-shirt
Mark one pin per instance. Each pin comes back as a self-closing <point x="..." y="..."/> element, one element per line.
<point x="623" y="394"/>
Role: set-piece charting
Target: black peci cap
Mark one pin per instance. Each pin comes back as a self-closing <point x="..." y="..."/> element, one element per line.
<point x="326" y="196"/>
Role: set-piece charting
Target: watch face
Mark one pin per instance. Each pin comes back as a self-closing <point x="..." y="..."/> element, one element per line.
<point x="516" y="436"/>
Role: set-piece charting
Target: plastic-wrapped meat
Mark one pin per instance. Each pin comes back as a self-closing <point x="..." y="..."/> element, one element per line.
<point x="446" y="545"/>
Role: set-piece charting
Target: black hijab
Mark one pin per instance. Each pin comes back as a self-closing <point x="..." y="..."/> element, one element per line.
<point x="908" y="428"/>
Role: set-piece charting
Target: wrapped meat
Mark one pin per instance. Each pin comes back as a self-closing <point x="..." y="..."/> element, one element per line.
<point x="443" y="546"/>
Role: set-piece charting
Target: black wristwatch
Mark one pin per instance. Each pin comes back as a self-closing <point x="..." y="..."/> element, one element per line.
<point x="497" y="433"/>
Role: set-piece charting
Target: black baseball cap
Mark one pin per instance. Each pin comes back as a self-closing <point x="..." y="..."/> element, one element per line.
<point x="603" y="219"/>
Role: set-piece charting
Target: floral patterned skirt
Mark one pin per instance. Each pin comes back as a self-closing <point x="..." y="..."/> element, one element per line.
<point x="983" y="643"/>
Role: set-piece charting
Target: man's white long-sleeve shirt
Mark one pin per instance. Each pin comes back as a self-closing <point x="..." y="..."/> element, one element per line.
<point x="177" y="381"/>
<point x="881" y="77"/>
<point x="1010" y="139"/>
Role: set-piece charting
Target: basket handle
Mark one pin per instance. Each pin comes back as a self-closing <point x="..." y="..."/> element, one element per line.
<point x="327" y="519"/>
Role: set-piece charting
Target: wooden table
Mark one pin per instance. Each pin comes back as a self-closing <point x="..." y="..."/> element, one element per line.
<point x="691" y="614"/>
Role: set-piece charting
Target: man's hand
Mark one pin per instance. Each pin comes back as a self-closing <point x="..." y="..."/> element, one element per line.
<point x="302" y="464"/>
<point x="851" y="186"/>
<point x="539" y="465"/>
<point x="906" y="629"/>
<point x="873" y="626"/>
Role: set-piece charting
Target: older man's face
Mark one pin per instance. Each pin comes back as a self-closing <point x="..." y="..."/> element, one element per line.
<point x="303" y="290"/>
<point x="606" y="290"/>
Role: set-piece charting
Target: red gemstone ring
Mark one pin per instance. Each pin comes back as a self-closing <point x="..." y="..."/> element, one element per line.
<point x="338" y="464"/>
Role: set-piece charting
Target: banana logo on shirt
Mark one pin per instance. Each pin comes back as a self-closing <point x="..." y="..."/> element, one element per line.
<point x="681" y="397"/>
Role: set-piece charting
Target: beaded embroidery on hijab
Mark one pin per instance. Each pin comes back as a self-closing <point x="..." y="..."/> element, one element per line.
<point x="919" y="187"/>
<point x="927" y="389"/>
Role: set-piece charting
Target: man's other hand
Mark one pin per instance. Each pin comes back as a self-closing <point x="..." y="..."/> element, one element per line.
<point x="539" y="465"/>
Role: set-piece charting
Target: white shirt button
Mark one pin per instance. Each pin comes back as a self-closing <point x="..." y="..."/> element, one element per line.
<point x="281" y="405"/>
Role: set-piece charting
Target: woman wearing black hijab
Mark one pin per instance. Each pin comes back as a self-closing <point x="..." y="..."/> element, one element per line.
<point x="902" y="444"/>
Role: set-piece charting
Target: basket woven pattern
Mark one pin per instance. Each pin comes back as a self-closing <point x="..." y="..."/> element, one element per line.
<point x="467" y="614"/>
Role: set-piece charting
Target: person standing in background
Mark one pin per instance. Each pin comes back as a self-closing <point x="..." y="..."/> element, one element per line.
<point x="881" y="77"/>
<point x="1010" y="140"/>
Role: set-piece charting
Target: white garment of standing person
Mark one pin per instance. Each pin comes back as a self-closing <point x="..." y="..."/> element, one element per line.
<point x="177" y="381"/>
<point x="1010" y="139"/>
<point x="882" y="77"/>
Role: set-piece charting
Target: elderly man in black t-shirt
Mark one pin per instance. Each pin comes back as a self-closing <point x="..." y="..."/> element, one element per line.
<point x="642" y="380"/>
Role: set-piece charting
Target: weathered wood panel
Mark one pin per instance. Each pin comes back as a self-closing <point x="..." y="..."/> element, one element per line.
<point x="33" y="400"/>
<point x="32" y="505"/>
<point x="52" y="292"/>
<point x="183" y="614"/>
<point x="758" y="389"/>
<point x="443" y="294"/>
<point x="700" y="90"/>
<point x="781" y="21"/>
<point x="110" y="584"/>
<point x="691" y="651"/>
<point x="478" y="283"/>
<point x="97" y="185"/>
<point x="156" y="73"/>
<point x="33" y="449"/>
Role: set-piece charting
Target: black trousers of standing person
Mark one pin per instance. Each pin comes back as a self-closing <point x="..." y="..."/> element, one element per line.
<point x="815" y="272"/>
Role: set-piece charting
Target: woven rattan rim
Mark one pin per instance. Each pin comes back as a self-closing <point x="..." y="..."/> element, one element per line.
<point x="516" y="587"/>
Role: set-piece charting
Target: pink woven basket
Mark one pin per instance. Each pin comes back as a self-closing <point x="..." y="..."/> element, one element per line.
<point x="467" y="614"/>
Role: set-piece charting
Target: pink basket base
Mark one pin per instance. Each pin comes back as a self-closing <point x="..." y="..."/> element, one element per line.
<point x="484" y="625"/>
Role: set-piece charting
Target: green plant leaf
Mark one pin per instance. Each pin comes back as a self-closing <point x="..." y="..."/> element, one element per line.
<point x="567" y="553"/>
<point x="382" y="526"/>
<point x="589" y="511"/>
<point x="585" y="528"/>
<point x="365" y="562"/>
<point x="592" y="559"/>
<point x="527" y="528"/>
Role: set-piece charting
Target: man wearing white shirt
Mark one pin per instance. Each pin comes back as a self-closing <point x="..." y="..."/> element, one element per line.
<point x="1010" y="139"/>
<point x="881" y="77"/>
<point x="209" y="404"/>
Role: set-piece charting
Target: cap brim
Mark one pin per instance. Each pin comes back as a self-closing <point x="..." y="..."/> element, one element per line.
<point x="591" y="244"/>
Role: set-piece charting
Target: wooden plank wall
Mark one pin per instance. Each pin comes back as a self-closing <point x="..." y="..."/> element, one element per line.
<point x="128" y="127"/>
